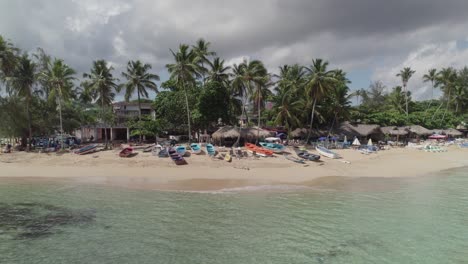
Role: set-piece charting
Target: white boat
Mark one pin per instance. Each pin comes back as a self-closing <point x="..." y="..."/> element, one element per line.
<point x="327" y="153"/>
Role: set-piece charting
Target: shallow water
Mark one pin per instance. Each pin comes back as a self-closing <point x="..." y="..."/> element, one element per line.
<point x="419" y="220"/>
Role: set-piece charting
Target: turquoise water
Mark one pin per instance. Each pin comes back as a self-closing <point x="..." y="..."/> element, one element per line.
<point x="421" y="220"/>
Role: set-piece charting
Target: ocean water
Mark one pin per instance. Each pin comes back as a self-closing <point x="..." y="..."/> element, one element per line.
<point x="367" y="220"/>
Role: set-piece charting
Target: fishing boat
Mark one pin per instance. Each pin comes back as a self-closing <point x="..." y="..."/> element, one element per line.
<point x="258" y="150"/>
<point x="148" y="148"/>
<point x="196" y="148"/>
<point x="176" y="157"/>
<point x="210" y="149"/>
<point x="275" y="147"/>
<point x="304" y="154"/>
<point x="181" y="150"/>
<point x="86" y="149"/>
<point x="162" y="153"/>
<point x="327" y="153"/>
<point x="126" y="152"/>
<point x="293" y="159"/>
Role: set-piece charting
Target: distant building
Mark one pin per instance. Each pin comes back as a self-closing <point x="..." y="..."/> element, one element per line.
<point x="124" y="112"/>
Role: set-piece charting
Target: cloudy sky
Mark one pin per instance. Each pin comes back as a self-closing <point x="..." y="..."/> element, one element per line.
<point x="371" y="40"/>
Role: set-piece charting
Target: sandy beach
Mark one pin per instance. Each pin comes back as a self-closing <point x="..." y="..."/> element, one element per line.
<point x="145" y="171"/>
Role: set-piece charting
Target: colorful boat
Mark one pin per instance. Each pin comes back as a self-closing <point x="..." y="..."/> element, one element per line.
<point x="196" y="148"/>
<point x="275" y="147"/>
<point x="181" y="150"/>
<point x="210" y="149"/>
<point x="176" y="157"/>
<point x="163" y="153"/>
<point x="258" y="150"/>
<point x="304" y="154"/>
<point x="126" y="152"/>
<point x="86" y="149"/>
<point x="327" y="153"/>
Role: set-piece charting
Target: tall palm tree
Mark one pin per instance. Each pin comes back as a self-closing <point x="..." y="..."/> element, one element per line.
<point x="320" y="81"/>
<point x="259" y="96"/>
<point x="8" y="58"/>
<point x="202" y="52"/>
<point x="184" y="71"/>
<point x="447" y="79"/>
<point x="218" y="72"/>
<point x="101" y="85"/>
<point x="460" y="97"/>
<point x="430" y="76"/>
<point x="357" y="94"/>
<point x="239" y="88"/>
<point x="339" y="97"/>
<point x="58" y="78"/>
<point x="138" y="80"/>
<point x="405" y="75"/>
<point x="21" y="83"/>
<point x="288" y="109"/>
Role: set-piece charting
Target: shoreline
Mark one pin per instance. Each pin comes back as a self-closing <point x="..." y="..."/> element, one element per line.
<point x="204" y="174"/>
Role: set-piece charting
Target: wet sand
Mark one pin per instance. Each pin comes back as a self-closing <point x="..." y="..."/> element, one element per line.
<point x="203" y="173"/>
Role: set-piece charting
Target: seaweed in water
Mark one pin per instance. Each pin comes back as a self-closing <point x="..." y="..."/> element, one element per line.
<point x="36" y="220"/>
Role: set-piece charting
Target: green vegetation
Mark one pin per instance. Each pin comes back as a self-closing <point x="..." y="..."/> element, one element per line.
<point x="42" y="96"/>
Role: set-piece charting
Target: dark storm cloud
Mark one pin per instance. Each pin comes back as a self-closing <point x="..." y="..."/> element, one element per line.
<point x="351" y="34"/>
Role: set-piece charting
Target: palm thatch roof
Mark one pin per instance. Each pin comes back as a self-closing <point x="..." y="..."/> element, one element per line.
<point x="418" y="130"/>
<point x="302" y="132"/>
<point x="449" y="132"/>
<point x="394" y="131"/>
<point x="356" y="130"/>
<point x="461" y="127"/>
<point x="246" y="133"/>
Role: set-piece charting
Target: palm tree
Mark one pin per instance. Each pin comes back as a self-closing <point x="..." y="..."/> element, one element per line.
<point x="460" y="96"/>
<point x="138" y="79"/>
<point x="357" y="94"/>
<point x="259" y="96"/>
<point x="201" y="50"/>
<point x="183" y="72"/>
<point x="340" y="97"/>
<point x="101" y="85"/>
<point x="405" y="75"/>
<point x="21" y="83"/>
<point x="58" y="78"/>
<point x="288" y="109"/>
<point x="319" y="82"/>
<point x="447" y="78"/>
<point x="430" y="76"/>
<point x="219" y="72"/>
<point x="8" y="58"/>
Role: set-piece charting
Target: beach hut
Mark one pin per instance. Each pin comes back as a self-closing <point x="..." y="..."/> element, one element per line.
<point x="462" y="128"/>
<point x="362" y="131"/>
<point x="451" y="132"/>
<point x="228" y="135"/>
<point x="394" y="133"/>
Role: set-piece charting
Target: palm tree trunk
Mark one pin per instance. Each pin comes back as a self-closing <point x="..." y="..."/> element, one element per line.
<point x="188" y="113"/>
<point x="333" y="123"/>
<point x="104" y="123"/>
<point x="406" y="100"/>
<point x="61" y="124"/>
<point x="437" y="110"/>
<point x="28" y="102"/>
<point x="259" y="117"/>
<point x="430" y="102"/>
<point x="139" y="112"/>
<point x="448" y="104"/>
<point x="311" y="120"/>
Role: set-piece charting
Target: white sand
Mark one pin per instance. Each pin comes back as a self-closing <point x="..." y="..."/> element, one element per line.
<point x="203" y="173"/>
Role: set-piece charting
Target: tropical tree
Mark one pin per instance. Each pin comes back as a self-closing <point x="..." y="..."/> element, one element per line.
<point x="339" y="97"/>
<point x="202" y="52"/>
<point x="447" y="79"/>
<point x="218" y="72"/>
<point x="138" y="80"/>
<point x="21" y="83"/>
<point x="405" y="75"/>
<point x="288" y="109"/>
<point x="8" y="58"/>
<point x="320" y="81"/>
<point x="101" y="85"/>
<point x="184" y="71"/>
<point x="58" y="79"/>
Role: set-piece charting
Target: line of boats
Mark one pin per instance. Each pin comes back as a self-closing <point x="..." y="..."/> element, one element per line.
<point x="178" y="153"/>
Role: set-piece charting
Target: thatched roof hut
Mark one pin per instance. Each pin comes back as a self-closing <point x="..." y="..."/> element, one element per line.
<point x="394" y="131"/>
<point x="418" y="130"/>
<point x="448" y="132"/>
<point x="228" y="133"/>
<point x="302" y="133"/>
<point x="357" y="130"/>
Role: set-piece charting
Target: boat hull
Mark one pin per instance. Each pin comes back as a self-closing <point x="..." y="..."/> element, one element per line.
<point x="258" y="150"/>
<point x="327" y="153"/>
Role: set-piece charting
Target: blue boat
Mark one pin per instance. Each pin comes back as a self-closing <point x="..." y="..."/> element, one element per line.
<point x="181" y="150"/>
<point x="196" y="148"/>
<point x="210" y="150"/>
<point x="87" y="149"/>
<point x="275" y="147"/>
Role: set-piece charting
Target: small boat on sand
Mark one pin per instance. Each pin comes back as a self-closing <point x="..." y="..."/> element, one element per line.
<point x="304" y="154"/>
<point x="149" y="148"/>
<point x="293" y="159"/>
<point x="126" y="152"/>
<point x="162" y="153"/>
<point x="176" y="157"/>
<point x="327" y="153"/>
<point x="258" y="150"/>
<point x="86" y="149"/>
<point x="275" y="147"/>
<point x="196" y="148"/>
<point x="181" y="150"/>
<point x="210" y="149"/>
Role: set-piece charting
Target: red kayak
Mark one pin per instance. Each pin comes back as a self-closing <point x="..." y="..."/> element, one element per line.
<point x="126" y="152"/>
<point x="258" y="150"/>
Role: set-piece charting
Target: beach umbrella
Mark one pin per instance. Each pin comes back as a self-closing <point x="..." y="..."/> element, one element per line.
<point x="345" y="140"/>
<point x="369" y="143"/>
<point x="322" y="138"/>
<point x="356" y="142"/>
